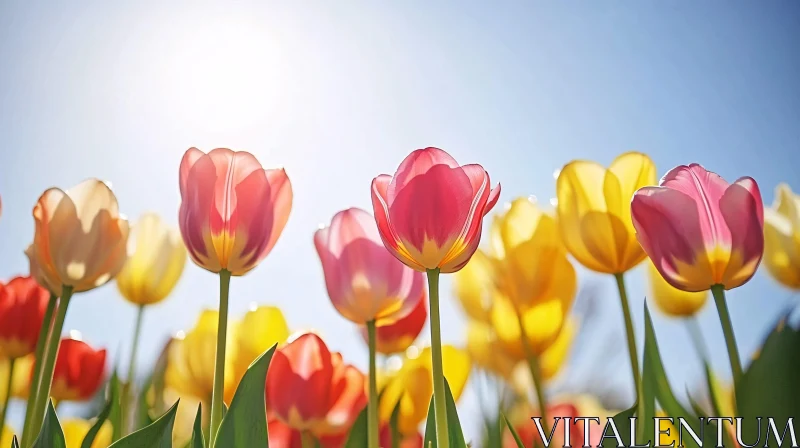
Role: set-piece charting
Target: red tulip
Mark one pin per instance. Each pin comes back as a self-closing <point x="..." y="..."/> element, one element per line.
<point x="699" y="230"/>
<point x="398" y="336"/>
<point x="22" y="307"/>
<point x="232" y="210"/>
<point x="430" y="212"/>
<point x="282" y="436"/>
<point x="529" y="434"/>
<point x="79" y="371"/>
<point x="364" y="281"/>
<point x="311" y="389"/>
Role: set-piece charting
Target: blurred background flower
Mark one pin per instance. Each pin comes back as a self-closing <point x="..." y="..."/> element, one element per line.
<point x="782" y="237"/>
<point x="79" y="371"/>
<point x="398" y="336"/>
<point x="22" y="308"/>
<point x="75" y="431"/>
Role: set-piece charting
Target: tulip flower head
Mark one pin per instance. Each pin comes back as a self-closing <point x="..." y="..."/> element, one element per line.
<point x="430" y="212"/>
<point x="593" y="211"/>
<point x="487" y="352"/>
<point x="79" y="371"/>
<point x="260" y="329"/>
<point x="232" y="210"/>
<point x="474" y="287"/>
<point x="396" y="337"/>
<point x="155" y="262"/>
<point x="782" y="237"/>
<point x="672" y="301"/>
<point x="80" y="238"/>
<point x="311" y="389"/>
<point x="699" y="230"/>
<point x="22" y="307"/>
<point x="364" y="281"/>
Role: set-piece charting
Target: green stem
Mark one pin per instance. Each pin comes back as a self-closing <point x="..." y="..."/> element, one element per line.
<point x="129" y="406"/>
<point x="439" y="404"/>
<point x="372" y="405"/>
<point x="632" y="352"/>
<point x="7" y="399"/>
<point x="727" y="328"/>
<point x="307" y="440"/>
<point x="36" y="381"/>
<point x="51" y="353"/>
<point x="536" y="373"/>
<point x="219" y="364"/>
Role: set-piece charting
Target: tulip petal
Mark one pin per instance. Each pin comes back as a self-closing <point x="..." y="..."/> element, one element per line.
<point x="191" y="157"/>
<point x="781" y="248"/>
<point x="390" y="240"/>
<point x="743" y="211"/>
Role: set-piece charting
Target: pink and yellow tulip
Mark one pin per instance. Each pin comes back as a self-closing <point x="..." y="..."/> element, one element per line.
<point x="396" y="337"/>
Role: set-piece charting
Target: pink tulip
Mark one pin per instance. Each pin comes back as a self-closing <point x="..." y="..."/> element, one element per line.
<point x="699" y="230"/>
<point x="365" y="282"/>
<point x="430" y="212"/>
<point x="232" y="210"/>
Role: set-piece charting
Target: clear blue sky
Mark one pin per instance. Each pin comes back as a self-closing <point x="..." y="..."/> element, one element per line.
<point x="338" y="92"/>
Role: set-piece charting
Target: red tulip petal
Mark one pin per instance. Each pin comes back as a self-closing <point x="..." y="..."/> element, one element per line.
<point x="380" y="208"/>
<point x="743" y="211"/>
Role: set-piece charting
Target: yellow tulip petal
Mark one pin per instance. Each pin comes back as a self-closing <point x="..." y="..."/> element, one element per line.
<point x="782" y="238"/>
<point x="670" y="300"/>
<point x="555" y="356"/>
<point x="75" y="430"/>
<point x="474" y="287"/>
<point x="543" y="323"/>
<point x="6" y="436"/>
<point x="486" y="351"/>
<point x="258" y="331"/>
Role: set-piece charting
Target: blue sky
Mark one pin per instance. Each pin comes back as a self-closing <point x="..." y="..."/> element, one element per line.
<point x="338" y="92"/>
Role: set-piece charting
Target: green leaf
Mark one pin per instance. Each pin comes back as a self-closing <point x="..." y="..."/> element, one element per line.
<point x="115" y="416"/>
<point x="157" y="435"/>
<point x="358" y="433"/>
<point x="245" y="423"/>
<point x="769" y="387"/>
<point x="623" y="423"/>
<point x="453" y="424"/>
<point x="197" y="434"/>
<point x="513" y="431"/>
<point x="88" y="440"/>
<point x="394" y="426"/>
<point x="51" y="435"/>
<point x="15" y="442"/>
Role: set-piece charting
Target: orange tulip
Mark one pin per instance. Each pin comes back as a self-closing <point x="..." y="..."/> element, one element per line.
<point x="232" y="210"/>
<point x="282" y="436"/>
<point x="398" y="336"/>
<point x="22" y="308"/>
<point x="79" y="371"/>
<point x="529" y="434"/>
<point x="430" y="212"/>
<point x="81" y="238"/>
<point x="311" y="389"/>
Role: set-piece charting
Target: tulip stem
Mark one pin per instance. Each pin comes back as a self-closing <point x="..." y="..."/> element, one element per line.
<point x="307" y="440"/>
<point x="129" y="406"/>
<point x="36" y="381"/>
<point x="372" y="405"/>
<point x="439" y="404"/>
<point x="632" y="352"/>
<point x="727" y="328"/>
<point x="219" y="364"/>
<point x="536" y="373"/>
<point x="51" y="353"/>
<point x="7" y="399"/>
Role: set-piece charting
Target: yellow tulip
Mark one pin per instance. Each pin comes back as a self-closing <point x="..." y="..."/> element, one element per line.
<point x="531" y="263"/>
<point x="21" y="380"/>
<point x="155" y="262"/>
<point x="185" y="415"/>
<point x="412" y="385"/>
<point x="664" y="425"/>
<point x="543" y="324"/>
<point x="550" y="361"/>
<point x="80" y="238"/>
<point x="75" y="431"/>
<point x="190" y="362"/>
<point x="487" y="352"/>
<point x="594" y="211"/>
<point x="474" y="287"/>
<point x="6" y="436"/>
<point x="782" y="237"/>
<point x="671" y="300"/>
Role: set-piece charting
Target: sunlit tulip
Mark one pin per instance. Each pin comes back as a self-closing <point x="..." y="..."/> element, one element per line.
<point x="398" y="336"/>
<point x="699" y="230"/>
<point x="156" y="257"/>
<point x="283" y="436"/>
<point x="190" y="364"/>
<point x="80" y="238"/>
<point x="232" y="210"/>
<point x="184" y="416"/>
<point x="430" y="212"/>
<point x="311" y="389"/>
<point x="553" y="354"/>
<point x="782" y="237"/>
<point x="6" y="436"/>
<point x="593" y="211"/>
<point x="543" y="324"/>
<point x="487" y="352"/>
<point x="670" y="300"/>
<point x="474" y="287"/>
<point x="364" y="281"/>
<point x="22" y="307"/>
<point x="75" y="431"/>
<point x="526" y="429"/>
<point x="411" y="385"/>
<point x="20" y="384"/>
<point x="79" y="372"/>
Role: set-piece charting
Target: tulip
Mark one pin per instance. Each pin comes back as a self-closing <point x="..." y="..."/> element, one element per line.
<point x="79" y="371"/>
<point x="672" y="301"/>
<point x="312" y="390"/>
<point x="79" y="244"/>
<point x="19" y="379"/>
<point x="782" y="237"/>
<point x="408" y="441"/>
<point x="487" y="352"/>
<point x="429" y="215"/>
<point x="529" y="434"/>
<point x="22" y="308"/>
<point x="6" y="436"/>
<point x="702" y="233"/>
<point x="75" y="431"/>
<point x="474" y="287"/>
<point x="231" y="215"/>
<point x="398" y="336"/>
<point x="412" y="386"/>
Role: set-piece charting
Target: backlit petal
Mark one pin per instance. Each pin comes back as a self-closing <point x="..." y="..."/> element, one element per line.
<point x="743" y="211"/>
